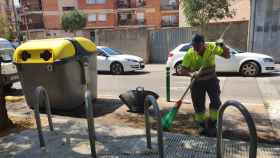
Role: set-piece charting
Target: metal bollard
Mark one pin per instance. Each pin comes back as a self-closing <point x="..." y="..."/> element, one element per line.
<point x="168" y="84"/>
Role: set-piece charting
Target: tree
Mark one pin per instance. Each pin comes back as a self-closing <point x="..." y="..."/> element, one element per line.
<point x="5" y="28"/>
<point x="73" y="21"/>
<point x="200" y="12"/>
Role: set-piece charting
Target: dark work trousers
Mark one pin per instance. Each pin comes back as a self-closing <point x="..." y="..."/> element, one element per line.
<point x="198" y="94"/>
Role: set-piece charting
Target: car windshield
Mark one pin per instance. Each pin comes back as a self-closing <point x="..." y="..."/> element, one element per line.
<point x="6" y="54"/>
<point x="6" y="44"/>
<point x="111" y="51"/>
<point x="235" y="50"/>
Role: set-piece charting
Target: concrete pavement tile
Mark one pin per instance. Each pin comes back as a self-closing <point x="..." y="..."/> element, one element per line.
<point x="271" y="99"/>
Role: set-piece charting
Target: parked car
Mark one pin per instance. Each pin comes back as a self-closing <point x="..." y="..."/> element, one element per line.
<point x="109" y="59"/>
<point x="246" y="63"/>
<point x="8" y="69"/>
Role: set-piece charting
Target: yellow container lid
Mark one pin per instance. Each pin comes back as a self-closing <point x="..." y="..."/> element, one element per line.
<point x="50" y="50"/>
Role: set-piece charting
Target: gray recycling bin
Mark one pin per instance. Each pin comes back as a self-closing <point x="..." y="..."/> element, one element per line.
<point x="57" y="65"/>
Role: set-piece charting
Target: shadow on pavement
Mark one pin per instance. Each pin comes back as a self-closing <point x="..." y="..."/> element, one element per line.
<point x="102" y="107"/>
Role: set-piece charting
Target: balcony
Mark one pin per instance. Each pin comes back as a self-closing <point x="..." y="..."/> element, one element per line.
<point x="34" y="21"/>
<point x="31" y="6"/>
<point x="170" y="7"/>
<point x="32" y="26"/>
<point x="169" y="24"/>
<point x="131" y="22"/>
<point x="126" y="4"/>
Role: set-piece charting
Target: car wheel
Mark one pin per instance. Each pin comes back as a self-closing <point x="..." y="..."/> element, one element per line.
<point x="250" y="69"/>
<point x="116" y="68"/>
<point x="179" y="69"/>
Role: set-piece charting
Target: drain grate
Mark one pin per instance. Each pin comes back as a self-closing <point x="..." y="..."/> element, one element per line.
<point x="177" y="146"/>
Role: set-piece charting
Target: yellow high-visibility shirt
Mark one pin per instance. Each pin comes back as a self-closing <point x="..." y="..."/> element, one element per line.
<point x="193" y="61"/>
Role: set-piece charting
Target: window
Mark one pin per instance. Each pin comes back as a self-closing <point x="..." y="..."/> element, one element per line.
<point x="100" y="52"/>
<point x="169" y="19"/>
<point x="140" y="16"/>
<point x="96" y="1"/>
<point x="68" y="8"/>
<point x="102" y="17"/>
<point x="172" y="2"/>
<point x="111" y="51"/>
<point x="92" y="17"/>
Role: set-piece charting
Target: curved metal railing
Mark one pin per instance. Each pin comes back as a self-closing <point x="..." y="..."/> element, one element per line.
<point x="90" y="121"/>
<point x="42" y="98"/>
<point x="249" y="121"/>
<point x="151" y="100"/>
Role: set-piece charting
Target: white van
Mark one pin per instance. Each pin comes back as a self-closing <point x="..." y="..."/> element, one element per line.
<point x="8" y="69"/>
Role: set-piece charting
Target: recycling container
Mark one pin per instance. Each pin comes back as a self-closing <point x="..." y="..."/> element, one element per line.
<point x="58" y="66"/>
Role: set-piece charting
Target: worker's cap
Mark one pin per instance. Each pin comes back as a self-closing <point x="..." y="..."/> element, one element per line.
<point x="197" y="39"/>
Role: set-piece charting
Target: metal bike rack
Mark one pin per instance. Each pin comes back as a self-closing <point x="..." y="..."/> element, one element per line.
<point x="249" y="121"/>
<point x="42" y="98"/>
<point x="90" y="121"/>
<point x="150" y="100"/>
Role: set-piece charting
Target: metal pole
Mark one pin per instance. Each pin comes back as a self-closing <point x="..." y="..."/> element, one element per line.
<point x="168" y="84"/>
<point x="90" y="121"/>
<point x="148" y="101"/>
<point x="16" y="21"/>
<point x="148" y="126"/>
<point x="42" y="97"/>
<point x="26" y="25"/>
<point x="89" y="108"/>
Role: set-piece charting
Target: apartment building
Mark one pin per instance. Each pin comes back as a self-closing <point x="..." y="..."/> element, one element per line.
<point x="31" y="18"/>
<point x="110" y="14"/>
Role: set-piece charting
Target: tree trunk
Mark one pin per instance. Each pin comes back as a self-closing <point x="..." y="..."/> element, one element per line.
<point x="5" y="122"/>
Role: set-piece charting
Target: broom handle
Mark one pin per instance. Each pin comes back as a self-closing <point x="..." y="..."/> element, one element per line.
<point x="189" y="87"/>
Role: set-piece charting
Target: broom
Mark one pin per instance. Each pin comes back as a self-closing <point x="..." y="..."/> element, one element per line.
<point x="167" y="119"/>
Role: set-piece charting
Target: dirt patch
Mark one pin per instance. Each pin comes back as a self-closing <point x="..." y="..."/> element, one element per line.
<point x="20" y="124"/>
<point x="234" y="127"/>
<point x="108" y="113"/>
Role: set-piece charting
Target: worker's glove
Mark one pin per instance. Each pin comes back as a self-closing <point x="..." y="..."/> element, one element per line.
<point x="220" y="43"/>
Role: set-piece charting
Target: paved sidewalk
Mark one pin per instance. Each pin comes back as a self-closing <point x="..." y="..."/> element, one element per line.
<point x="71" y="141"/>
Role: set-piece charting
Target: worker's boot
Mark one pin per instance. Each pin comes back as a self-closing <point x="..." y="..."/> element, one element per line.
<point x="202" y="130"/>
<point x="212" y="128"/>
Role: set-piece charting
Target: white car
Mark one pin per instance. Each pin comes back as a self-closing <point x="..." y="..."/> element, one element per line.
<point x="246" y="63"/>
<point x="109" y="59"/>
<point x="8" y="69"/>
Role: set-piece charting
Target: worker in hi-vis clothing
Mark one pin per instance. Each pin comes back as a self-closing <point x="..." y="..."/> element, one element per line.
<point x="203" y="55"/>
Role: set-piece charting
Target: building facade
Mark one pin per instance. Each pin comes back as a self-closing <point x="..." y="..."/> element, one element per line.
<point x="265" y="27"/>
<point x="107" y="14"/>
<point x="31" y="18"/>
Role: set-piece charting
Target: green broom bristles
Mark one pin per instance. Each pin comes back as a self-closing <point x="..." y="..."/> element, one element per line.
<point x="170" y="116"/>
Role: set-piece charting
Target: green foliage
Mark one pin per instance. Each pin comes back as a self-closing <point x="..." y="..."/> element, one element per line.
<point x="73" y="21"/>
<point x="200" y="12"/>
<point x="4" y="26"/>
